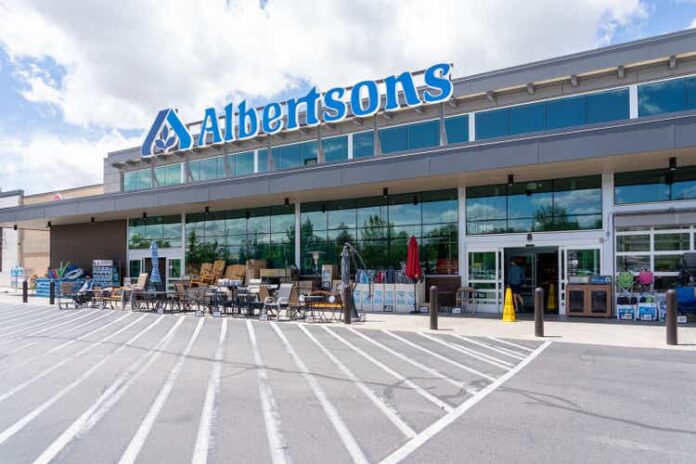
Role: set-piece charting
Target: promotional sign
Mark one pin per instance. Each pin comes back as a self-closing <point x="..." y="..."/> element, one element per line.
<point x="241" y="122"/>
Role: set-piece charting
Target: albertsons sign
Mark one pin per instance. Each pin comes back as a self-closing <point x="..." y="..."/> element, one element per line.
<point x="241" y="122"/>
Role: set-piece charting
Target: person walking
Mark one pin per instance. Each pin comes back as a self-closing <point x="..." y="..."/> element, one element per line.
<point x="515" y="280"/>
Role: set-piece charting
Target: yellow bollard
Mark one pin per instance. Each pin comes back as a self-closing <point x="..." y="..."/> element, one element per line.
<point x="509" y="307"/>
<point x="551" y="305"/>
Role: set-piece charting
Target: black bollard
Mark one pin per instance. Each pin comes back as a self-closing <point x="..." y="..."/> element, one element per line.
<point x="539" y="312"/>
<point x="434" y="307"/>
<point x="25" y="292"/>
<point x="671" y="318"/>
<point x="52" y="293"/>
<point x="346" y="297"/>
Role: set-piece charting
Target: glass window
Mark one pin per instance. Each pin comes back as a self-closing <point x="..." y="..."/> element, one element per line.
<point x="684" y="183"/>
<point x="165" y="230"/>
<point x="588" y="261"/>
<point x="607" y="106"/>
<point x="335" y="149"/>
<point x="457" y="128"/>
<point x="632" y="263"/>
<point x="410" y="137"/>
<point x="207" y="169"/>
<point x="527" y="118"/>
<point x="168" y="175"/>
<point x="134" y="268"/>
<point x="137" y="180"/>
<point x="661" y="97"/>
<point x="641" y="186"/>
<point x="565" y="112"/>
<point x="491" y="124"/>
<point x="633" y="243"/>
<point x="263" y="160"/>
<point x="242" y="164"/>
<point x="294" y="156"/>
<point x="668" y="263"/>
<point x="672" y="242"/>
<point x="174" y="268"/>
<point x="363" y="144"/>
<point x="482" y="266"/>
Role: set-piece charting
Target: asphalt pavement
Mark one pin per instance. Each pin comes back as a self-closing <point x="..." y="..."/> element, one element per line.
<point x="96" y="385"/>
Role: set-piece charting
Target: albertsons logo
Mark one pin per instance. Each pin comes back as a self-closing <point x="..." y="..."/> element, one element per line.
<point x="167" y="133"/>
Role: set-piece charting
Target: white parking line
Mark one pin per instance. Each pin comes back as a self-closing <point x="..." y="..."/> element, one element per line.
<point x="49" y="319"/>
<point x="67" y="329"/>
<point x="422" y="392"/>
<point x="60" y="364"/>
<point x="64" y="344"/>
<point x="50" y="328"/>
<point x="108" y="398"/>
<point x="136" y="444"/>
<point x="28" y="318"/>
<point x="469" y="352"/>
<point x="381" y="404"/>
<point x="498" y="349"/>
<point x="342" y="430"/>
<point x="200" y="453"/>
<point x="412" y="445"/>
<point x="271" y="417"/>
<point x="19" y="314"/>
<point x="24" y="421"/>
<point x="514" y="345"/>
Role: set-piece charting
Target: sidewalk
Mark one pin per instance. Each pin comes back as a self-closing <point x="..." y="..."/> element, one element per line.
<point x="568" y="330"/>
<point x="571" y="330"/>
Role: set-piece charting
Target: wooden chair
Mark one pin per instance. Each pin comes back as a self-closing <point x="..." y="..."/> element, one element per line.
<point x="138" y="289"/>
<point x="113" y="299"/>
<point x="218" y="270"/>
<point x="183" y="299"/>
<point x="206" y="275"/>
<point x="274" y="306"/>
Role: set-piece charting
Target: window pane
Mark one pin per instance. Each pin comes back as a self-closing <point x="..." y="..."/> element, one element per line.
<point x="632" y="263"/>
<point x="492" y="124"/>
<point x="607" y="106"/>
<point x="242" y="164"/>
<point x="335" y="149"/>
<point x="484" y="209"/>
<point x="134" y="268"/>
<point x="565" y="112"/>
<point x="174" y="268"/>
<point x="690" y="93"/>
<point x="668" y="263"/>
<point x="527" y="118"/>
<point x="669" y="242"/>
<point x="435" y="212"/>
<point x="394" y="139"/>
<point x="633" y="243"/>
<point x="482" y="265"/>
<point x="342" y="218"/>
<point x="168" y="175"/>
<point x="424" y="134"/>
<point x="363" y="144"/>
<point x="684" y="186"/>
<point x="577" y="202"/>
<point x="310" y="153"/>
<point x="137" y="180"/>
<point x="661" y="97"/>
<point x="486" y="227"/>
<point x="588" y="261"/>
<point x="457" y="129"/>
<point x="639" y="187"/>
<point x="263" y="160"/>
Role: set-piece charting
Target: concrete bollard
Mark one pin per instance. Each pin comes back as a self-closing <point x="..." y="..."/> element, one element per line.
<point x="539" y="312"/>
<point x="434" y="307"/>
<point x="25" y="292"/>
<point x="671" y="318"/>
<point x="52" y="293"/>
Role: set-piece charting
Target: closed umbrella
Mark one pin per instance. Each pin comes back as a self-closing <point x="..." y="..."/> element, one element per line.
<point x="155" y="277"/>
<point x="413" y="268"/>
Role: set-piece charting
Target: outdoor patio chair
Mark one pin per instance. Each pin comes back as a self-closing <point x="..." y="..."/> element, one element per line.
<point x="274" y="305"/>
<point x="182" y="300"/>
<point x="114" y="298"/>
<point x="138" y="290"/>
<point x="217" y="270"/>
<point x="330" y="308"/>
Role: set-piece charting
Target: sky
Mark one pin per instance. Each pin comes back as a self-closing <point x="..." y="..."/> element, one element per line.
<point x="79" y="79"/>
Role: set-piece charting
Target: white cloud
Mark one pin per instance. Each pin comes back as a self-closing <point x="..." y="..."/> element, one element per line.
<point x="127" y="59"/>
<point x="46" y="163"/>
<point x="693" y="24"/>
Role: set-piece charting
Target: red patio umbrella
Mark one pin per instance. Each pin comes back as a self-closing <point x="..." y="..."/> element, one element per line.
<point x="413" y="268"/>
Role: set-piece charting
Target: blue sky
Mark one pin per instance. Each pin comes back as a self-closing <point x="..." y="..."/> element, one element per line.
<point x="77" y="82"/>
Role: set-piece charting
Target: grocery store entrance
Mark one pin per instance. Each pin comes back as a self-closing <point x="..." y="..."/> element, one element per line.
<point x="540" y="268"/>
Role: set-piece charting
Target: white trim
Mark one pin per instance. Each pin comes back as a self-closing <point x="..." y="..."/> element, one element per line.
<point x="298" y="238"/>
<point x="633" y="101"/>
<point x="472" y="127"/>
<point x="350" y="146"/>
<point x="256" y="161"/>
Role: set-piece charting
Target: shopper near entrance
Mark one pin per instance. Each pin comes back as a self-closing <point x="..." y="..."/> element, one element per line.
<point x="515" y="280"/>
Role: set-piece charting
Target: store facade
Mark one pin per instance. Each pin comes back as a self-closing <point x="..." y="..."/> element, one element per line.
<point x="578" y="166"/>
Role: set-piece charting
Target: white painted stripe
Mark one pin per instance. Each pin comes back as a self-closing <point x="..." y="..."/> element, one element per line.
<point x="422" y="366"/>
<point x="504" y="351"/>
<point x="271" y="417"/>
<point x="342" y="430"/>
<point x="64" y="345"/>
<point x="42" y="340"/>
<point x="26" y="420"/>
<point x="45" y="372"/>
<point x="108" y="398"/>
<point x="32" y="324"/>
<point x="514" y="345"/>
<point x="200" y="453"/>
<point x="469" y="352"/>
<point x="62" y="323"/>
<point x="428" y="396"/>
<point x="20" y="314"/>
<point x="381" y="403"/>
<point x="138" y="441"/>
<point x="29" y="317"/>
<point x="412" y="445"/>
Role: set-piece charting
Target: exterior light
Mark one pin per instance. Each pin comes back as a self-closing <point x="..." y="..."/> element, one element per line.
<point x="207" y="209"/>
<point x="673" y="164"/>
<point x="529" y="237"/>
<point x="415" y="200"/>
<point x="14" y="227"/>
<point x="48" y="225"/>
<point x="92" y="220"/>
<point x="144" y="215"/>
<point x="511" y="180"/>
<point x="247" y="215"/>
<point x="323" y="208"/>
<point x="385" y="193"/>
<point x="287" y="202"/>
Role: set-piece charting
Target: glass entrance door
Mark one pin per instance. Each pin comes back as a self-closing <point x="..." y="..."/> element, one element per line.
<point x="576" y="264"/>
<point x="486" y="276"/>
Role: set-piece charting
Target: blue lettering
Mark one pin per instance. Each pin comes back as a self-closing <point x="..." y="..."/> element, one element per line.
<point x="229" y="119"/>
<point x="311" y="101"/>
<point x="271" y="121"/>
<point x="441" y="83"/>
<point x="334" y="107"/>
<point x="409" y="88"/>
<point x="372" y="99"/>
<point x="209" y="124"/>
<point x="248" y="126"/>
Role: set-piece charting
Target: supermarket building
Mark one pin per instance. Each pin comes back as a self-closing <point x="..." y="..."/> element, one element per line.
<point x="582" y="165"/>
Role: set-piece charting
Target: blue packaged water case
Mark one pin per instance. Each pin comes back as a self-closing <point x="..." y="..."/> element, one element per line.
<point x="647" y="308"/>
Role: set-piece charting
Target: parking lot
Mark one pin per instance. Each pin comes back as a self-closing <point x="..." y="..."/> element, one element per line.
<point x="113" y="386"/>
